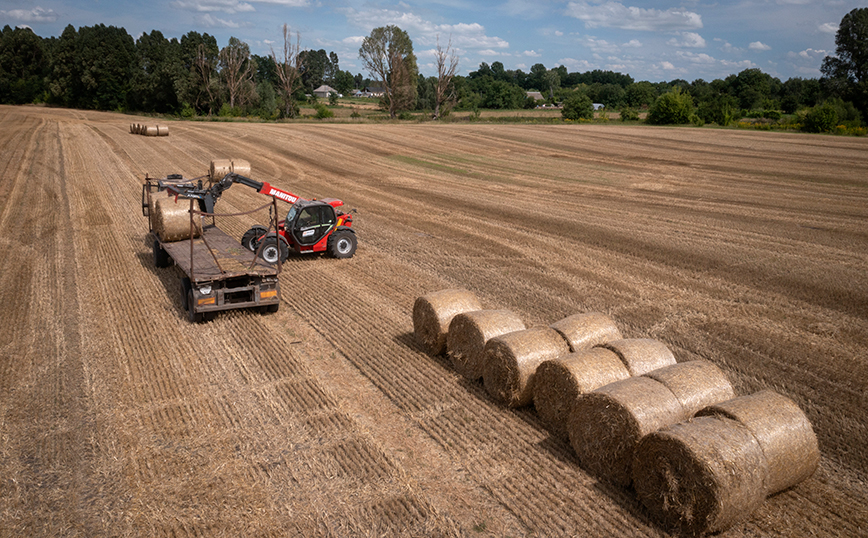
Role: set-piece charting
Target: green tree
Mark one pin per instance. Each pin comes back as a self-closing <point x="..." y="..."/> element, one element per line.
<point x="578" y="106"/>
<point x="288" y="68"/>
<point x="314" y="65"/>
<point x="640" y="94"/>
<point x="64" y="85"/>
<point x="23" y="66"/>
<point x="198" y="86"/>
<point x="846" y="74"/>
<point x="388" y="56"/>
<point x="159" y="67"/>
<point x="236" y="70"/>
<point x="674" y="107"/>
<point x="344" y="82"/>
<point x="821" y="118"/>
<point x="104" y="60"/>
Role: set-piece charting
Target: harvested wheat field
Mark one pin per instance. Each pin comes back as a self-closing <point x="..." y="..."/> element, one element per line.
<point x="120" y="418"/>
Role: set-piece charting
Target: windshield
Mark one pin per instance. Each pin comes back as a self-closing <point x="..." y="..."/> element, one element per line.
<point x="292" y="213"/>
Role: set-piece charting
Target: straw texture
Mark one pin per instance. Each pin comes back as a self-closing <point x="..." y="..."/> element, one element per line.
<point x="641" y="355"/>
<point x="584" y="331"/>
<point x="433" y="312"/>
<point x="468" y="334"/>
<point x="696" y="384"/>
<point x="172" y="220"/>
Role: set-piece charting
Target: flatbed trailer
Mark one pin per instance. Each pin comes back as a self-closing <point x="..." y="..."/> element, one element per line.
<point x="220" y="274"/>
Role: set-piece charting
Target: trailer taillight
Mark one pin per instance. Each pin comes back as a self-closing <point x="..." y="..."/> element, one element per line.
<point x="268" y="294"/>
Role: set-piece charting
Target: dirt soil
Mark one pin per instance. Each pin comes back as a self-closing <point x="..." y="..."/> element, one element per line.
<point x="118" y="417"/>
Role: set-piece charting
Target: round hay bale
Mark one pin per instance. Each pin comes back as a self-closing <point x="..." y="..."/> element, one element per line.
<point x="510" y="362"/>
<point x="172" y="220"/>
<point x="132" y="128"/>
<point x="781" y="429"/>
<point x="696" y="384"/>
<point x="162" y="130"/>
<point x="433" y="312"/>
<point x="606" y="425"/>
<point x="241" y="167"/>
<point x="219" y="168"/>
<point x="584" y="331"/>
<point x="558" y="383"/>
<point x="700" y="476"/>
<point x="641" y="355"/>
<point x="468" y="333"/>
<point x="151" y="130"/>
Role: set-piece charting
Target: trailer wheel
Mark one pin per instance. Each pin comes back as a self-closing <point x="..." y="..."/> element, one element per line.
<point x="342" y="244"/>
<point x="270" y="308"/>
<point x="274" y="248"/>
<point x="250" y="237"/>
<point x="161" y="257"/>
<point x="192" y="315"/>
<point x="186" y="286"/>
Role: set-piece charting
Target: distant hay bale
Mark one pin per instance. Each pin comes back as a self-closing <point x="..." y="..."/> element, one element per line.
<point x="133" y="128"/>
<point x="558" y="383"/>
<point x="701" y="476"/>
<point x="241" y="167"/>
<point x="641" y="355"/>
<point x="468" y="333"/>
<point x="696" y="384"/>
<point x="584" y="331"/>
<point x="172" y="220"/>
<point x="781" y="429"/>
<point x="151" y="130"/>
<point x="511" y="360"/>
<point x="162" y="130"/>
<point x="606" y="425"/>
<point x="433" y="312"/>
<point x="219" y="168"/>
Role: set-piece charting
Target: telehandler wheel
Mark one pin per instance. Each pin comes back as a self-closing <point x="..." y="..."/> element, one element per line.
<point x="250" y="237"/>
<point x="342" y="244"/>
<point x="274" y="248"/>
<point x="161" y="257"/>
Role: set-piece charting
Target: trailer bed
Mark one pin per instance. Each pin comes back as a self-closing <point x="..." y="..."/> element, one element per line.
<point x="225" y="258"/>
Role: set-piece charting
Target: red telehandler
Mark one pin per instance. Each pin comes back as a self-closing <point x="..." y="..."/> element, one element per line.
<point x="310" y="225"/>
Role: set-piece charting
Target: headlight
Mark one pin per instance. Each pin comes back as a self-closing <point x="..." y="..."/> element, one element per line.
<point x="205" y="290"/>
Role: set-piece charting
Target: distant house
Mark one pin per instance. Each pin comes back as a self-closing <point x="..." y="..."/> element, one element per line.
<point x="324" y="91"/>
<point x="598" y="106"/>
<point x="536" y="95"/>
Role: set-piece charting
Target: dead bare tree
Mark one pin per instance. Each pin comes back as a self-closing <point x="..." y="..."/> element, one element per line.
<point x="204" y="68"/>
<point x="237" y="69"/>
<point x="447" y="64"/>
<point x="289" y="70"/>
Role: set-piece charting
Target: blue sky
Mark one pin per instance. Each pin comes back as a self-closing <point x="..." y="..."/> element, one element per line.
<point x="658" y="40"/>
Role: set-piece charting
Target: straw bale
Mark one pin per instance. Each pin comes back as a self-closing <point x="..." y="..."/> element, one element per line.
<point x="559" y="383"/>
<point x="700" y="476"/>
<point x="606" y="425"/>
<point x="162" y="130"/>
<point x="696" y="384"/>
<point x="151" y="130"/>
<point x="172" y="220"/>
<point x="583" y="331"/>
<point x="468" y="333"/>
<point x="433" y="312"/>
<point x="133" y="128"/>
<point x="219" y="168"/>
<point x="511" y="360"/>
<point x="241" y="167"/>
<point x="781" y="429"/>
<point x="641" y="355"/>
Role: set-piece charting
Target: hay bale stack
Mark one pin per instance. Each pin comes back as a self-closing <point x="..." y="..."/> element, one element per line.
<point x="162" y="130"/>
<point x="606" y="425"/>
<point x="510" y="362"/>
<point x="696" y="384"/>
<point x="558" y="383"/>
<point x="641" y="355"/>
<point x="172" y="220"/>
<point x="468" y="334"/>
<point x="219" y="168"/>
<point x="433" y="312"/>
<point x="241" y="167"/>
<point x="700" y="476"/>
<point x="781" y="429"/>
<point x="151" y="130"/>
<point x="584" y="331"/>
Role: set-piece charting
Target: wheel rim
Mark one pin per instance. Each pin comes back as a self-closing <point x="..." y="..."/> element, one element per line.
<point x="270" y="254"/>
<point x="344" y="245"/>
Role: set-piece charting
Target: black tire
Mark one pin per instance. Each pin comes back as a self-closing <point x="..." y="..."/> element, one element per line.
<point x="185" y="287"/>
<point x="250" y="238"/>
<point x="161" y="257"/>
<point x="272" y="247"/>
<point x="192" y="315"/>
<point x="342" y="244"/>
<point x="270" y="308"/>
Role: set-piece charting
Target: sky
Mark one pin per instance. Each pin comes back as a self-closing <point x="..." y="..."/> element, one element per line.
<point x="654" y="40"/>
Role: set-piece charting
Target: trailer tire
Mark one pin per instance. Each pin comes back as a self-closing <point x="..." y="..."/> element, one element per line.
<point x="250" y="238"/>
<point x="342" y="244"/>
<point x="274" y="248"/>
<point x="186" y="286"/>
<point x="161" y="257"/>
<point x="270" y="308"/>
<point x="192" y="315"/>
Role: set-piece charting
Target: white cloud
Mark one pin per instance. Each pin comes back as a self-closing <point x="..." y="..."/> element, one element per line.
<point x="210" y="6"/>
<point x="829" y="28"/>
<point x="353" y="40"/>
<point x="688" y="40"/>
<point x="634" y="44"/>
<point x="616" y="15"/>
<point x="667" y="66"/>
<point x="574" y="65"/>
<point x="758" y="45"/>
<point x="36" y="14"/>
<point x="531" y="54"/>
<point x="214" y="22"/>
<point x="287" y="3"/>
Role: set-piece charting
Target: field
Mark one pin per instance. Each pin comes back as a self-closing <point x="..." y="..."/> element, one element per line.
<point x="118" y="417"/>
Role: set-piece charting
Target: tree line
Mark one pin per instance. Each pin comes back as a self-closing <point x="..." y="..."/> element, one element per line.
<point x="103" y="67"/>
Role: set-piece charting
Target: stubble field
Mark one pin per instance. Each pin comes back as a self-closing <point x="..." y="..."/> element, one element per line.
<point x="118" y="417"/>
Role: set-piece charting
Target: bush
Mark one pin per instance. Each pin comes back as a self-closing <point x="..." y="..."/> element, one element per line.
<point x="674" y="107"/>
<point x="323" y="112"/>
<point x="578" y="106"/>
<point x="820" y="119"/>
<point x="629" y="114"/>
<point x="187" y="111"/>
